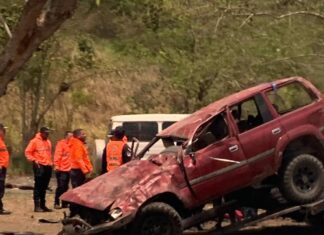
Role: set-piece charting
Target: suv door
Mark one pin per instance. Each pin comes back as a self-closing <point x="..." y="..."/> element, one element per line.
<point x="296" y="107"/>
<point x="258" y="134"/>
<point x="220" y="162"/>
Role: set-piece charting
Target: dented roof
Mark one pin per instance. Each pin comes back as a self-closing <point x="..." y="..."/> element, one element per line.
<point x="187" y="127"/>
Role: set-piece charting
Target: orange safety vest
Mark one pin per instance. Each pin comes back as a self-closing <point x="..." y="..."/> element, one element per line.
<point x="4" y="155"/>
<point x="114" y="154"/>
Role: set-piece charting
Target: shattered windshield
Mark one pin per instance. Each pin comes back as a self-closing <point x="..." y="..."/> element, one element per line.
<point x="165" y="145"/>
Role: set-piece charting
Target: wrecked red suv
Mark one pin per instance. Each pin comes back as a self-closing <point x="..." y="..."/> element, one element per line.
<point x="243" y="146"/>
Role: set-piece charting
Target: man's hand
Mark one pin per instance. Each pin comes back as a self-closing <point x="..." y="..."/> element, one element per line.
<point x="36" y="164"/>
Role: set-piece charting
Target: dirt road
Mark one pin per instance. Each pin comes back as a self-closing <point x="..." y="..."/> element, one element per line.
<point x="24" y="219"/>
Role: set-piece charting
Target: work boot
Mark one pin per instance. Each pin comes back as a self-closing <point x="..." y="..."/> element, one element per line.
<point x="4" y="212"/>
<point x="65" y="204"/>
<point x="37" y="207"/>
<point x="44" y="207"/>
<point x="57" y="207"/>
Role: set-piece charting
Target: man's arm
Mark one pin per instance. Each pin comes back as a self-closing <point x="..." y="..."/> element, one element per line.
<point x="127" y="154"/>
<point x="58" y="154"/>
<point x="81" y="159"/>
<point x="104" y="161"/>
<point x="29" y="151"/>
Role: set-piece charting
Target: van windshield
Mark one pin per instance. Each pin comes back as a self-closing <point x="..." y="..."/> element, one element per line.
<point x="143" y="131"/>
<point x="166" y="124"/>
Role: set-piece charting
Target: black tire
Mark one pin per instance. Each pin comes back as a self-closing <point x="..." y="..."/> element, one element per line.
<point x="302" y="179"/>
<point x="157" y="218"/>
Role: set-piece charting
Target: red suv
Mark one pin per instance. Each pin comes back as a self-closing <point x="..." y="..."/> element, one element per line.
<point x="268" y="136"/>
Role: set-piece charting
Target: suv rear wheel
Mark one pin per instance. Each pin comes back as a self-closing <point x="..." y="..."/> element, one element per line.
<point x="157" y="218"/>
<point x="302" y="178"/>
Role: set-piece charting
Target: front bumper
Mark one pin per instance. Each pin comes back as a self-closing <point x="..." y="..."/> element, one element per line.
<point x="76" y="225"/>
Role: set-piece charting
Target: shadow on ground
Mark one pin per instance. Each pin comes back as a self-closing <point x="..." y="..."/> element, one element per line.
<point x="282" y="230"/>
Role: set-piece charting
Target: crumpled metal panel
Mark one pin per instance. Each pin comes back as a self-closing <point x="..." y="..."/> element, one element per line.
<point x="130" y="185"/>
<point x="186" y="128"/>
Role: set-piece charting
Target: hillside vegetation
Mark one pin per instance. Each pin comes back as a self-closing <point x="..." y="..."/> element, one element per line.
<point x="156" y="56"/>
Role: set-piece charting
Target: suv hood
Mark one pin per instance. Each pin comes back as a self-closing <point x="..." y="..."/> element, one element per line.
<point x="129" y="184"/>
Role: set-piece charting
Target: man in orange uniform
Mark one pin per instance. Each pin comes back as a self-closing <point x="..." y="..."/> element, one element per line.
<point x="4" y="163"/>
<point x="80" y="162"/>
<point x="62" y="164"/>
<point x="117" y="151"/>
<point x="39" y="152"/>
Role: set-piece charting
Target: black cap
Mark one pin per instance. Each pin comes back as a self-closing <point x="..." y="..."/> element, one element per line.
<point x="3" y="127"/>
<point x="119" y="132"/>
<point x="45" y="129"/>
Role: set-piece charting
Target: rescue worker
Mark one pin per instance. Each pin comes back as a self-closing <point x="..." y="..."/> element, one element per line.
<point x="39" y="151"/>
<point x="62" y="165"/>
<point x="4" y="163"/>
<point x="80" y="161"/>
<point x="117" y="151"/>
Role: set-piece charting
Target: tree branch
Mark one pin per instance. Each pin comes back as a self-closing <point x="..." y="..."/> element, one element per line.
<point x="5" y="25"/>
<point x="318" y="15"/>
<point x="29" y="33"/>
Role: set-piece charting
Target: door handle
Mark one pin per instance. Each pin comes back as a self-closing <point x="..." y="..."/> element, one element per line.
<point x="233" y="148"/>
<point x="276" y="131"/>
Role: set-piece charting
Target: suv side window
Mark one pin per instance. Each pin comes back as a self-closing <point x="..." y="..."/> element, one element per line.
<point x="251" y="113"/>
<point x="290" y="97"/>
<point x="212" y="132"/>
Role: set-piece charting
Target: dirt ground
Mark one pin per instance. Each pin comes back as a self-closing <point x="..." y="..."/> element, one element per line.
<point x="23" y="218"/>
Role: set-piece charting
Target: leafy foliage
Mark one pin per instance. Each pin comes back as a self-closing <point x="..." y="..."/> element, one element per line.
<point x="162" y="56"/>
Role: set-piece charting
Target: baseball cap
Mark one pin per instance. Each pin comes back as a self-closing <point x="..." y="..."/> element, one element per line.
<point x="3" y="127"/>
<point x="45" y="129"/>
<point x="119" y="132"/>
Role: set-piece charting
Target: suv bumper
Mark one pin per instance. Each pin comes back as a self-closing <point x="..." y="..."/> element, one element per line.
<point x="75" y="223"/>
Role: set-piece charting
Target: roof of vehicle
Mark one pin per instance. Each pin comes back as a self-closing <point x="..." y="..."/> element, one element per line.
<point x="157" y="117"/>
<point x="186" y="127"/>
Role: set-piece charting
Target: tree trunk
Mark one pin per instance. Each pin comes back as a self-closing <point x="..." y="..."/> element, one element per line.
<point x="39" y="20"/>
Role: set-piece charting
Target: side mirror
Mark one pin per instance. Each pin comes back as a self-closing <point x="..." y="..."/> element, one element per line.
<point x="134" y="147"/>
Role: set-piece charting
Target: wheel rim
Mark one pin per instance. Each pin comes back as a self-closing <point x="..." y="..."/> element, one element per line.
<point x="305" y="178"/>
<point x="156" y="225"/>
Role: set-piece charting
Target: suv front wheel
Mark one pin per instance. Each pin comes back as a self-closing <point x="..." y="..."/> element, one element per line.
<point x="302" y="178"/>
<point x="157" y="218"/>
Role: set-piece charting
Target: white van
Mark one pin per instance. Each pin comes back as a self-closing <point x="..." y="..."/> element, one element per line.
<point x="144" y="127"/>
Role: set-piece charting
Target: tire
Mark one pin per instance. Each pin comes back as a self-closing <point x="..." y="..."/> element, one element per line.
<point x="157" y="218"/>
<point x="302" y="179"/>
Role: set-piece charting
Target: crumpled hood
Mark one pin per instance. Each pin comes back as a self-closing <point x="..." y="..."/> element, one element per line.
<point x="103" y="191"/>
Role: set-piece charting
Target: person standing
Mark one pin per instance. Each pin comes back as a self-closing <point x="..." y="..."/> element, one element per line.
<point x="4" y="163"/>
<point x="62" y="165"/>
<point x="39" y="152"/>
<point x="117" y="151"/>
<point x="80" y="161"/>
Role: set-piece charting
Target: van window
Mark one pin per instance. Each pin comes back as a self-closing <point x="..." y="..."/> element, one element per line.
<point x="166" y="124"/>
<point x="143" y="131"/>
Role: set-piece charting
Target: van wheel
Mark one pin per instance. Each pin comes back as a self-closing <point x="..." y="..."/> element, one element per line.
<point x="302" y="179"/>
<point x="157" y="218"/>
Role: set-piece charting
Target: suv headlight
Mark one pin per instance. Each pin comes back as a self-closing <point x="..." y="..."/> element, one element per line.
<point x="116" y="213"/>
